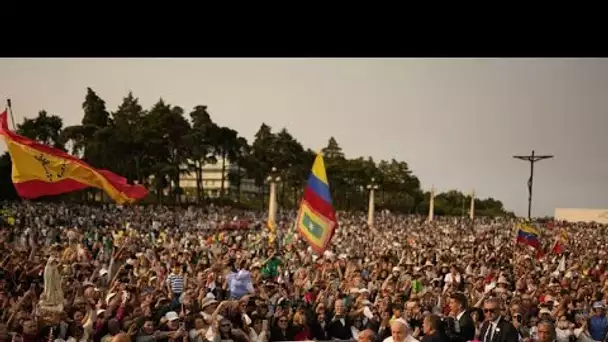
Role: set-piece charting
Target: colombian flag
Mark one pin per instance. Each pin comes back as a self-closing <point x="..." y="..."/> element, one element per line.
<point x="40" y="170"/>
<point x="316" y="220"/>
<point x="528" y="235"/>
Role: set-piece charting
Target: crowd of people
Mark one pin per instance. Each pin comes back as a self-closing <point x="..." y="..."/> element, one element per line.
<point x="132" y="273"/>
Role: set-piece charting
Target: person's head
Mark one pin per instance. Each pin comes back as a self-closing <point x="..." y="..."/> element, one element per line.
<point x="476" y="315"/>
<point x="148" y="327"/>
<point x="598" y="309"/>
<point x="299" y="319"/>
<point x="78" y="316"/>
<point x="199" y="323"/>
<point x="366" y="335"/>
<point x="491" y="309"/>
<point x="257" y="323"/>
<point x="412" y="308"/>
<point x="173" y="321"/>
<point x="544" y="314"/>
<point x="283" y="322"/>
<point x="321" y="317"/>
<point x="113" y="326"/>
<point x="75" y="330"/>
<point x="546" y="331"/>
<point x="397" y="309"/>
<point x="339" y="308"/>
<point x="458" y="302"/>
<point x="563" y="322"/>
<point x="122" y="337"/>
<point x="29" y="327"/>
<point x="514" y="309"/>
<point x="225" y="326"/>
<point x="358" y="322"/>
<point x="399" y="330"/>
<point x="431" y="324"/>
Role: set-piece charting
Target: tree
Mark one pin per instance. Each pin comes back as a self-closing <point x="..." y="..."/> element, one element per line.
<point x="224" y="142"/>
<point x="289" y="153"/>
<point x="166" y="132"/>
<point x="201" y="145"/>
<point x="44" y="129"/>
<point x="128" y="138"/>
<point x="333" y="150"/>
<point x="158" y="145"/>
<point x="87" y="138"/>
<point x="262" y="156"/>
<point x="236" y="175"/>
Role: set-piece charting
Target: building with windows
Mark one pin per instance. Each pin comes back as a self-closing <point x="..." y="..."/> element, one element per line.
<point x="212" y="181"/>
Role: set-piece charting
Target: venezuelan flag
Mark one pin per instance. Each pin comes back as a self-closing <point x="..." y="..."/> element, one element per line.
<point x="316" y="219"/>
<point x="528" y="235"/>
<point x="40" y="170"/>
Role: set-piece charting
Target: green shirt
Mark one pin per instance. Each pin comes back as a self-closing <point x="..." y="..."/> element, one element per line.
<point x="271" y="268"/>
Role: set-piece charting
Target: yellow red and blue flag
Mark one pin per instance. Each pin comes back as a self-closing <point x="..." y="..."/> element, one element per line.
<point x="316" y="219"/>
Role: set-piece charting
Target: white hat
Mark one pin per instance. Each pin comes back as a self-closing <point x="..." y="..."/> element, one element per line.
<point x="598" y="305"/>
<point x="396" y="269"/>
<point x="103" y="272"/>
<point x="502" y="280"/>
<point x="207" y="301"/>
<point x="100" y="311"/>
<point x="544" y="311"/>
<point x="171" y="316"/>
<point x="363" y="290"/>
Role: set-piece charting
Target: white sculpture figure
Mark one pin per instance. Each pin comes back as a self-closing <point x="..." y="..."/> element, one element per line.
<point x="52" y="297"/>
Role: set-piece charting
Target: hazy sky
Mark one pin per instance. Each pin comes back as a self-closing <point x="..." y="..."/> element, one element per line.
<point x="456" y="122"/>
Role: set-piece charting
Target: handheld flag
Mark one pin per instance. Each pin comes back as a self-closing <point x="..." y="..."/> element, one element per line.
<point x="560" y="242"/>
<point x="40" y="170"/>
<point x="316" y="220"/>
<point x="528" y="235"/>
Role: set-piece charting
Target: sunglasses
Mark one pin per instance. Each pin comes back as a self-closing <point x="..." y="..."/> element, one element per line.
<point x="489" y="310"/>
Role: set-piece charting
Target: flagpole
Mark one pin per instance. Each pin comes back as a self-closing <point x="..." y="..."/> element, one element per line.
<point x="432" y="204"/>
<point x="10" y="111"/>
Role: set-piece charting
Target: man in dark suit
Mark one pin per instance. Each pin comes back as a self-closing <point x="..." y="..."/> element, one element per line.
<point x="496" y="328"/>
<point x="461" y="328"/>
<point x="339" y="325"/>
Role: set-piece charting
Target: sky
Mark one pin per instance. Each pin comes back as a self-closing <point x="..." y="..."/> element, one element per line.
<point x="456" y="122"/>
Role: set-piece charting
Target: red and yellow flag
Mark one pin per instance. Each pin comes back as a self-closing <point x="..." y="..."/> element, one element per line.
<point x="40" y="170"/>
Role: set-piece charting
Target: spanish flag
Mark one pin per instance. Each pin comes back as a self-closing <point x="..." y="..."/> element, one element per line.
<point x="40" y="170"/>
<point x="316" y="220"/>
<point x="528" y="235"/>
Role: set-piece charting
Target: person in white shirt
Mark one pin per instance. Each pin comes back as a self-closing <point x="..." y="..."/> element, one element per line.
<point x="400" y="332"/>
<point x="564" y="329"/>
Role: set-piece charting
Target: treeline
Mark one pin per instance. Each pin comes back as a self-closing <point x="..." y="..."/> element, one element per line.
<point x="156" y="146"/>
